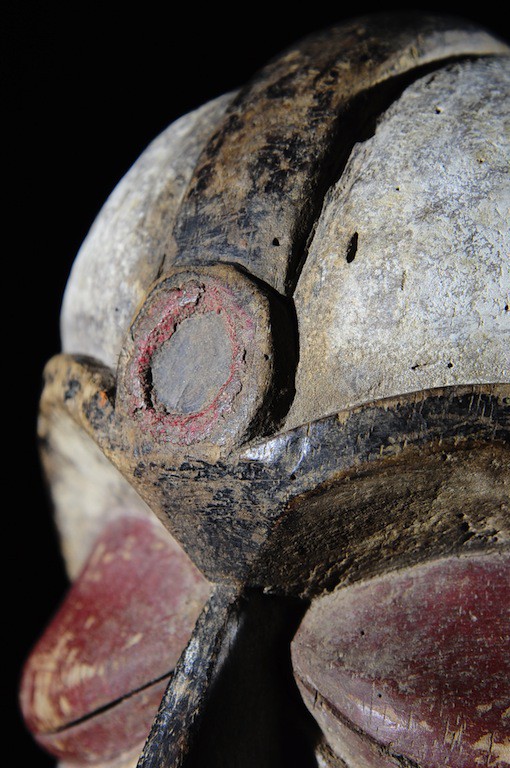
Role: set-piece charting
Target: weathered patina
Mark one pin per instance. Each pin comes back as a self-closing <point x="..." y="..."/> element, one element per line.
<point x="284" y="395"/>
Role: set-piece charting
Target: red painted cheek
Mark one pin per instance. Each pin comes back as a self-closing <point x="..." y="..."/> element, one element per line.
<point x="418" y="662"/>
<point x="92" y="685"/>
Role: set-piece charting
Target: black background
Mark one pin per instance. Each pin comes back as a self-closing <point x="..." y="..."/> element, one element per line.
<point x="86" y="89"/>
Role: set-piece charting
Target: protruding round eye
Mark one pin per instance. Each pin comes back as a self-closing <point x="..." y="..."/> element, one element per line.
<point x="200" y="359"/>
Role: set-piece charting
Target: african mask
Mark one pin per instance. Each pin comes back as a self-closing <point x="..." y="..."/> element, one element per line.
<point x="277" y="435"/>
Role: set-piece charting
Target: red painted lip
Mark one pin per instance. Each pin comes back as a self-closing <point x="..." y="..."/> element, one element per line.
<point x="418" y="661"/>
<point x="92" y="685"/>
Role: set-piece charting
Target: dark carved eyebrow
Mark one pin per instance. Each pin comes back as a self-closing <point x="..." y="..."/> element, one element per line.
<point x="260" y="182"/>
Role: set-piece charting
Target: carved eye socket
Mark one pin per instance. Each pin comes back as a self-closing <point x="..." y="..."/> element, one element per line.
<point x="189" y="358"/>
<point x="413" y="664"/>
<point x="199" y="360"/>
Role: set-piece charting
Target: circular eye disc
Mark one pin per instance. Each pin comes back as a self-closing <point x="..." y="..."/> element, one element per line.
<point x="199" y="359"/>
<point x="190" y="369"/>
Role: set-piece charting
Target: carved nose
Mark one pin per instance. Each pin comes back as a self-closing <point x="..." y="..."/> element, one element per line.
<point x="93" y="683"/>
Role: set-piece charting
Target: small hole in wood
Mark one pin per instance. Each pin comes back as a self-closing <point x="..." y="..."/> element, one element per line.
<point x="352" y="249"/>
<point x="276" y="241"/>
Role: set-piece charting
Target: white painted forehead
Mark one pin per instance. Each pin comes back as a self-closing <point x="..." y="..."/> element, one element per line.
<point x="407" y="283"/>
<point x="126" y="245"/>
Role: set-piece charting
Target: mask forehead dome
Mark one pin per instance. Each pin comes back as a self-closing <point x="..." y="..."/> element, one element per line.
<point x="406" y="285"/>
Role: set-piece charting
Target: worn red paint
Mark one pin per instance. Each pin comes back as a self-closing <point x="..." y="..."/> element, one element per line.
<point x="167" y="309"/>
<point x="418" y="661"/>
<point x="92" y="684"/>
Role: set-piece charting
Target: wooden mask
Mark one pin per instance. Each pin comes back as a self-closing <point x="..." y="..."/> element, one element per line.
<point x="277" y="434"/>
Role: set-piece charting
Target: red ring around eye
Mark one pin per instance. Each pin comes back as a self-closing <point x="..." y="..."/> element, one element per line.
<point x="198" y="358"/>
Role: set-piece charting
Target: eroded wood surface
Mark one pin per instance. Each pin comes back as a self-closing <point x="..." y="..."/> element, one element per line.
<point x="126" y="245"/>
